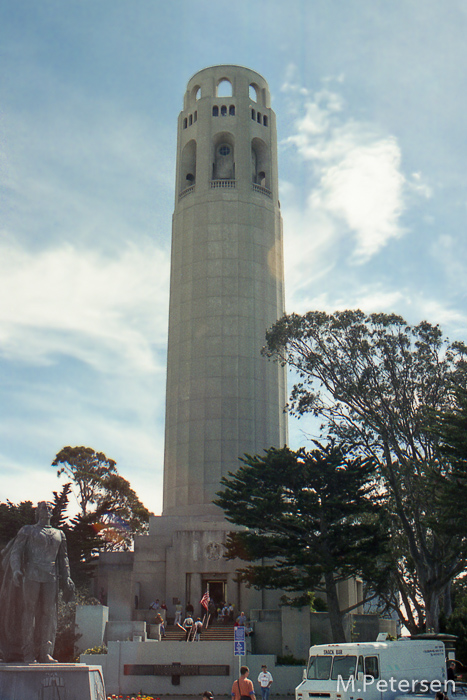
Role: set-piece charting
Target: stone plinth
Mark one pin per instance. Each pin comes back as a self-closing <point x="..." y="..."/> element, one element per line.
<point x="51" y="681"/>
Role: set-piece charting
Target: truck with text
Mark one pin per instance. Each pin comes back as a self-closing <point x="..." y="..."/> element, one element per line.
<point x="373" y="670"/>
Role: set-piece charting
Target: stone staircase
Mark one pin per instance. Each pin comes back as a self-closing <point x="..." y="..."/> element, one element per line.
<point x="214" y="633"/>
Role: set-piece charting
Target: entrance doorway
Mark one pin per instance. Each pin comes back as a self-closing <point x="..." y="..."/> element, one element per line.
<point x="216" y="590"/>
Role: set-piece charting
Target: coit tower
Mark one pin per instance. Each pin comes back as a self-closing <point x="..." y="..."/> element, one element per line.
<point x="223" y="398"/>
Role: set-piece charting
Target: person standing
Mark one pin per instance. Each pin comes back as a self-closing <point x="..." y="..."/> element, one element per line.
<point x="159" y="624"/>
<point x="178" y="613"/>
<point x="265" y="681"/>
<point x="243" y="689"/>
<point x="188" y="627"/>
<point x="212" y="610"/>
<point x="241" y="619"/>
<point x="197" y="629"/>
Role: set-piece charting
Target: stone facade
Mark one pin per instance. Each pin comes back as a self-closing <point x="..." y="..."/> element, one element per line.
<point x="223" y="398"/>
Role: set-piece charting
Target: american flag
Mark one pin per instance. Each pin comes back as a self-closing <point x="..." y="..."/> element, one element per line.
<point x="205" y="600"/>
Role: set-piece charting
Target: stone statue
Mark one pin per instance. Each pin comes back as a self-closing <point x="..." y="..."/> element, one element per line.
<point x="35" y="565"/>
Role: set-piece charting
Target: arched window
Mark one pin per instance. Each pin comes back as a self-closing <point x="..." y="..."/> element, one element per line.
<point x="223" y="157"/>
<point x="265" y="120"/>
<point x="195" y="118"/>
<point x="223" y="111"/>
<point x="259" y="118"/>
<point x="253" y="114"/>
<point x="252" y="93"/>
<point x="190" y="120"/>
<point x="215" y="111"/>
<point x="224" y="88"/>
<point x="185" y="123"/>
<point x="260" y="164"/>
<point x="232" y="110"/>
<point x="198" y="94"/>
<point x="188" y="166"/>
<point x="224" y="164"/>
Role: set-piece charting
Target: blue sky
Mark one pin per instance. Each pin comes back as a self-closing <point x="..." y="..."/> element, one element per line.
<point x="370" y="99"/>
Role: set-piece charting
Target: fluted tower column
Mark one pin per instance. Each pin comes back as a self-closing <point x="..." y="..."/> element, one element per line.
<point x="223" y="398"/>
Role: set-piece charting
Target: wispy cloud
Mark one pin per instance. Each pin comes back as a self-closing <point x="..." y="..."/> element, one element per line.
<point x="362" y="186"/>
<point x="359" y="185"/>
<point x="103" y="311"/>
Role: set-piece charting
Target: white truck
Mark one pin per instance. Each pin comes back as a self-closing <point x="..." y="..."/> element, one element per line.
<point x="374" y="670"/>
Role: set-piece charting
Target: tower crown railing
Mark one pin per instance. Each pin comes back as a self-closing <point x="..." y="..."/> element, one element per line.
<point x="226" y="184"/>
<point x="262" y="190"/>
<point x="186" y="191"/>
<point x="222" y="183"/>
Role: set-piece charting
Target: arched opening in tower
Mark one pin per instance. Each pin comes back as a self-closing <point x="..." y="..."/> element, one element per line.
<point x="223" y="161"/>
<point x="188" y="166"/>
<point x="260" y="164"/>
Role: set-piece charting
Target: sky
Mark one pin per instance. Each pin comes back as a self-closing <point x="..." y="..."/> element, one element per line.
<point x="370" y="99"/>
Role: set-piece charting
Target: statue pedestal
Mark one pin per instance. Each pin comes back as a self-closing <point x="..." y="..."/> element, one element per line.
<point x="51" y="682"/>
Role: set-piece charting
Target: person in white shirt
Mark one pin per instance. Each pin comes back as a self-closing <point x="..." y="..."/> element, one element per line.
<point x="178" y="613"/>
<point x="265" y="680"/>
<point x="241" y="619"/>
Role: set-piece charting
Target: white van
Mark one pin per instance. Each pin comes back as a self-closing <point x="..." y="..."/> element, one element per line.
<point x="373" y="670"/>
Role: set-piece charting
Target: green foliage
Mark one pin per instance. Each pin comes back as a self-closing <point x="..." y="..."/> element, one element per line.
<point x="60" y="505"/>
<point x="449" y="427"/>
<point x="380" y="373"/>
<point x="319" y="605"/>
<point x="290" y="660"/>
<point x="375" y="381"/>
<point x="457" y="624"/>
<point x="13" y="517"/>
<point x="111" y="512"/>
<point x="86" y="468"/>
<point x="117" y="514"/>
<point x="308" y="599"/>
<point x="83" y="542"/>
<point x="310" y="516"/>
<point x="96" y="650"/>
<point x="66" y="638"/>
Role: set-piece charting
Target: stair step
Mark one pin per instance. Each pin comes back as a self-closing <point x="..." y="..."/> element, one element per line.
<point x="214" y="633"/>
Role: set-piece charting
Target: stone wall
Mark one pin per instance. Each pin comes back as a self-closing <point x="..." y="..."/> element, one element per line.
<point x="123" y="657"/>
<point x="90" y="622"/>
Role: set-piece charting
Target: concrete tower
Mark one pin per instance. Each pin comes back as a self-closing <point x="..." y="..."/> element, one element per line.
<point x="223" y="398"/>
